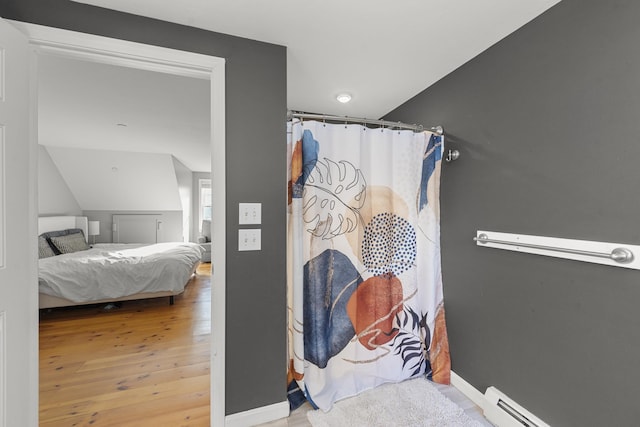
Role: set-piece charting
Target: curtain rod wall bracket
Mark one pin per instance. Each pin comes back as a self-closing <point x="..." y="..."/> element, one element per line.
<point x="452" y="155"/>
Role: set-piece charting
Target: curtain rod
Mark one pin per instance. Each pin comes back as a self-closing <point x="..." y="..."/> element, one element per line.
<point x="438" y="130"/>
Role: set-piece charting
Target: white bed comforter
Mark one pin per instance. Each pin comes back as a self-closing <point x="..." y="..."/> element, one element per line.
<point x="118" y="270"/>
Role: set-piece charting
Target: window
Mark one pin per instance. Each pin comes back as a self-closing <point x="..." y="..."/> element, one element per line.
<point x="205" y="201"/>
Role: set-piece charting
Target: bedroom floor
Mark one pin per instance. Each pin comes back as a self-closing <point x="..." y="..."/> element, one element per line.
<point x="145" y="363"/>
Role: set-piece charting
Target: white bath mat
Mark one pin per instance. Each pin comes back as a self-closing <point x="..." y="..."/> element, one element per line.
<point x="411" y="403"/>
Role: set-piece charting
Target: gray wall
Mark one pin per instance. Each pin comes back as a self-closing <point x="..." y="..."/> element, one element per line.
<point x="172" y="222"/>
<point x="547" y="124"/>
<point x="255" y="159"/>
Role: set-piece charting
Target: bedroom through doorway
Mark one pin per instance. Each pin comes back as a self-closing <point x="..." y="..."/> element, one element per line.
<point x="165" y="66"/>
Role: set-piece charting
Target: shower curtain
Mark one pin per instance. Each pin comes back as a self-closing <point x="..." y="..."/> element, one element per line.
<point x="364" y="283"/>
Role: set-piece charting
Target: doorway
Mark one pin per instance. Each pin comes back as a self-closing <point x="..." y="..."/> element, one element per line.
<point x="51" y="41"/>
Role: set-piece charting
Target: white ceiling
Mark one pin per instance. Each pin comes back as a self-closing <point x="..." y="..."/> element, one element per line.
<point x="381" y="52"/>
<point x="103" y="107"/>
<point x="103" y="180"/>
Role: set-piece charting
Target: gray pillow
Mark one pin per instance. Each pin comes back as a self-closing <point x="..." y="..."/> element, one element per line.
<point x="70" y="243"/>
<point x="49" y="234"/>
<point x="44" y="250"/>
<point x="206" y="229"/>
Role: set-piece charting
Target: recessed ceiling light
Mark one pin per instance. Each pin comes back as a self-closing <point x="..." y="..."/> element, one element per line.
<point x="344" y="98"/>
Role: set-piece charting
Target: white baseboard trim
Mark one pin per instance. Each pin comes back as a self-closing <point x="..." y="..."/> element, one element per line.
<point x="468" y="390"/>
<point x="260" y="415"/>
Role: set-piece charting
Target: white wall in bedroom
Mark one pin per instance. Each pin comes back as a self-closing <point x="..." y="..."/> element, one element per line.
<point x="54" y="195"/>
<point x="144" y="183"/>
<point x="95" y="117"/>
<point x="184" y="176"/>
<point x="195" y="206"/>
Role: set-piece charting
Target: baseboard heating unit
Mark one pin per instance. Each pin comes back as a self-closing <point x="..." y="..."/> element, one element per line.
<point x="502" y="411"/>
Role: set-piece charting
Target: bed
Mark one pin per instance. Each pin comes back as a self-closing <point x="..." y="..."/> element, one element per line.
<point x="76" y="273"/>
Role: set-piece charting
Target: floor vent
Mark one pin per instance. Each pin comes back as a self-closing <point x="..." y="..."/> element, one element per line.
<point x="504" y="412"/>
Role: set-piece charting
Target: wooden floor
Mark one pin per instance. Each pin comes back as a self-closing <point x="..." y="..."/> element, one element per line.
<point x="145" y="363"/>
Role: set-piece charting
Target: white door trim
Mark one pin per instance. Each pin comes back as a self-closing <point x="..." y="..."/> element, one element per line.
<point x="70" y="44"/>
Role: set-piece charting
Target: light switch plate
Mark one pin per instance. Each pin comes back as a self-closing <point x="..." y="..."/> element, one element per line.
<point x="250" y="213"/>
<point x="249" y="239"/>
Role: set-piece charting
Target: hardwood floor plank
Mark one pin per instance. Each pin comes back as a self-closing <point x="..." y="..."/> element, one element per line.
<point x="187" y="409"/>
<point x="113" y="380"/>
<point x="145" y="363"/>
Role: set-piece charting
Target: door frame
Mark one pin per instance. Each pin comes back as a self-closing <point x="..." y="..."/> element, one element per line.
<point x="70" y="44"/>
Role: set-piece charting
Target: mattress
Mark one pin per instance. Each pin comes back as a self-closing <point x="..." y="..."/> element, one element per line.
<point x="108" y="271"/>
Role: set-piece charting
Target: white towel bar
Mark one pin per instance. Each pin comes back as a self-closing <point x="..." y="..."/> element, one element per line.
<point x="614" y="254"/>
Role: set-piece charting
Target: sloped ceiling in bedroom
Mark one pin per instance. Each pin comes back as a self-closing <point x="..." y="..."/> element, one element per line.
<point x="54" y="195"/>
<point x="118" y="180"/>
<point x="105" y="107"/>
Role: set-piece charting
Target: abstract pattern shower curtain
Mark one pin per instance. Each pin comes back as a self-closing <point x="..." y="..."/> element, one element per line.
<point x="365" y="287"/>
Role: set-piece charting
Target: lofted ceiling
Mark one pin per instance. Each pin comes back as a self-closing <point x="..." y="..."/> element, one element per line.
<point x="97" y="106"/>
<point x="382" y="53"/>
<point x="104" y="180"/>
